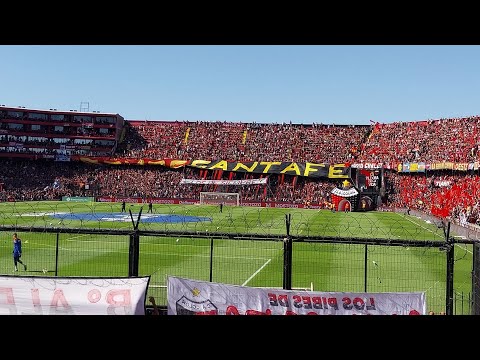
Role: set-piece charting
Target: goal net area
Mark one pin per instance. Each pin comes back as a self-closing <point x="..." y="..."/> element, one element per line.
<point x="214" y="198"/>
<point x="222" y="197"/>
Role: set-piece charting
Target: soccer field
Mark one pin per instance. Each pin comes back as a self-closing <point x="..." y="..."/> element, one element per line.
<point x="316" y="265"/>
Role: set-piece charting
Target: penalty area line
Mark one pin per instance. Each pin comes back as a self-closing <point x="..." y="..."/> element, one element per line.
<point x="423" y="227"/>
<point x="256" y="272"/>
<point x="413" y="222"/>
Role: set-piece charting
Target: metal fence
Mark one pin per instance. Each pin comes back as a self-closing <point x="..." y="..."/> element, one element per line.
<point x="448" y="271"/>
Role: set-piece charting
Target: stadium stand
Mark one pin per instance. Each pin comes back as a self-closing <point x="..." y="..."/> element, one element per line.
<point x="448" y="193"/>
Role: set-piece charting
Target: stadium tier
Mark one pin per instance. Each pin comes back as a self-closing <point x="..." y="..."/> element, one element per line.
<point x="57" y="135"/>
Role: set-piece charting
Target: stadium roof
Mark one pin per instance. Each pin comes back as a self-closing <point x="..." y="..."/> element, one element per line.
<point x="23" y="108"/>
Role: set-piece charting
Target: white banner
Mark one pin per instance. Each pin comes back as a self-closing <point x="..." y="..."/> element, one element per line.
<point x="367" y="165"/>
<point x="72" y="296"/>
<point x="192" y="297"/>
<point x="441" y="183"/>
<point x="262" y="181"/>
<point x="62" y="157"/>
<point x="345" y="193"/>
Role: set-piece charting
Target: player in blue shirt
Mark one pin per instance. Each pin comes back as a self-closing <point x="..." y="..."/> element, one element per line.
<point x="17" y="252"/>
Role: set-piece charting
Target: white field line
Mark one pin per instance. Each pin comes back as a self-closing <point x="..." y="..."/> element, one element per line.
<point x="39" y="245"/>
<point x="55" y="246"/>
<point x="76" y="237"/>
<point x="69" y="239"/>
<point x="256" y="272"/>
<point x="423" y="227"/>
<point x="464" y="248"/>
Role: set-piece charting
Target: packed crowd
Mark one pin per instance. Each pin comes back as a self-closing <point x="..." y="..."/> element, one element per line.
<point x="441" y="193"/>
<point x="445" y="194"/>
<point x="243" y="142"/>
<point x="44" y="180"/>
<point x="34" y="180"/>
<point x="450" y="140"/>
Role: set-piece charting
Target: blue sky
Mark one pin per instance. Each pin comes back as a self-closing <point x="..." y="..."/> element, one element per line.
<point x="265" y="84"/>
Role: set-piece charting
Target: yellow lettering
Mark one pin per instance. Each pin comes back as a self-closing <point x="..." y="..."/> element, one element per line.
<point x="245" y="167"/>
<point x="336" y="172"/>
<point x="309" y="168"/>
<point x="200" y="163"/>
<point x="269" y="164"/>
<point x="222" y="164"/>
<point x="291" y="167"/>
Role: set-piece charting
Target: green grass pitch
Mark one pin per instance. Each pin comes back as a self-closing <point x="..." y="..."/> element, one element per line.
<point x="317" y="266"/>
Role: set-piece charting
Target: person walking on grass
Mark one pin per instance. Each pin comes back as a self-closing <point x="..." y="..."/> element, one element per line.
<point x="17" y="252"/>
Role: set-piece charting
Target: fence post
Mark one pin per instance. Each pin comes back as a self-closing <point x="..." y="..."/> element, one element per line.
<point x="287" y="256"/>
<point x="56" y="254"/>
<point x="211" y="259"/>
<point x="134" y="249"/>
<point x="450" y="243"/>
<point x="134" y="246"/>
<point x="366" y="268"/>
<point x="476" y="279"/>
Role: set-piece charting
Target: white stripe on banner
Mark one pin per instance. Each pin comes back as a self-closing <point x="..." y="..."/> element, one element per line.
<point x="262" y="181"/>
<point x="72" y="296"/>
<point x="344" y="193"/>
<point x="192" y="297"/>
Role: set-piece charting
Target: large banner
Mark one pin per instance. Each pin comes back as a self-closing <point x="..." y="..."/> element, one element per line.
<point x="313" y="170"/>
<point x="72" y="296"/>
<point x="224" y="182"/>
<point x="307" y="169"/>
<point x="78" y="198"/>
<point x="421" y="166"/>
<point x="192" y="297"/>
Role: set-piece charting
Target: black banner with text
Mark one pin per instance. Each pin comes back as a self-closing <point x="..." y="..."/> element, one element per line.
<point x="307" y="169"/>
<point x="312" y="170"/>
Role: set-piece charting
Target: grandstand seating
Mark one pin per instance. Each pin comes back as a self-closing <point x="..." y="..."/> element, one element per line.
<point x="443" y="140"/>
<point x="243" y="142"/>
